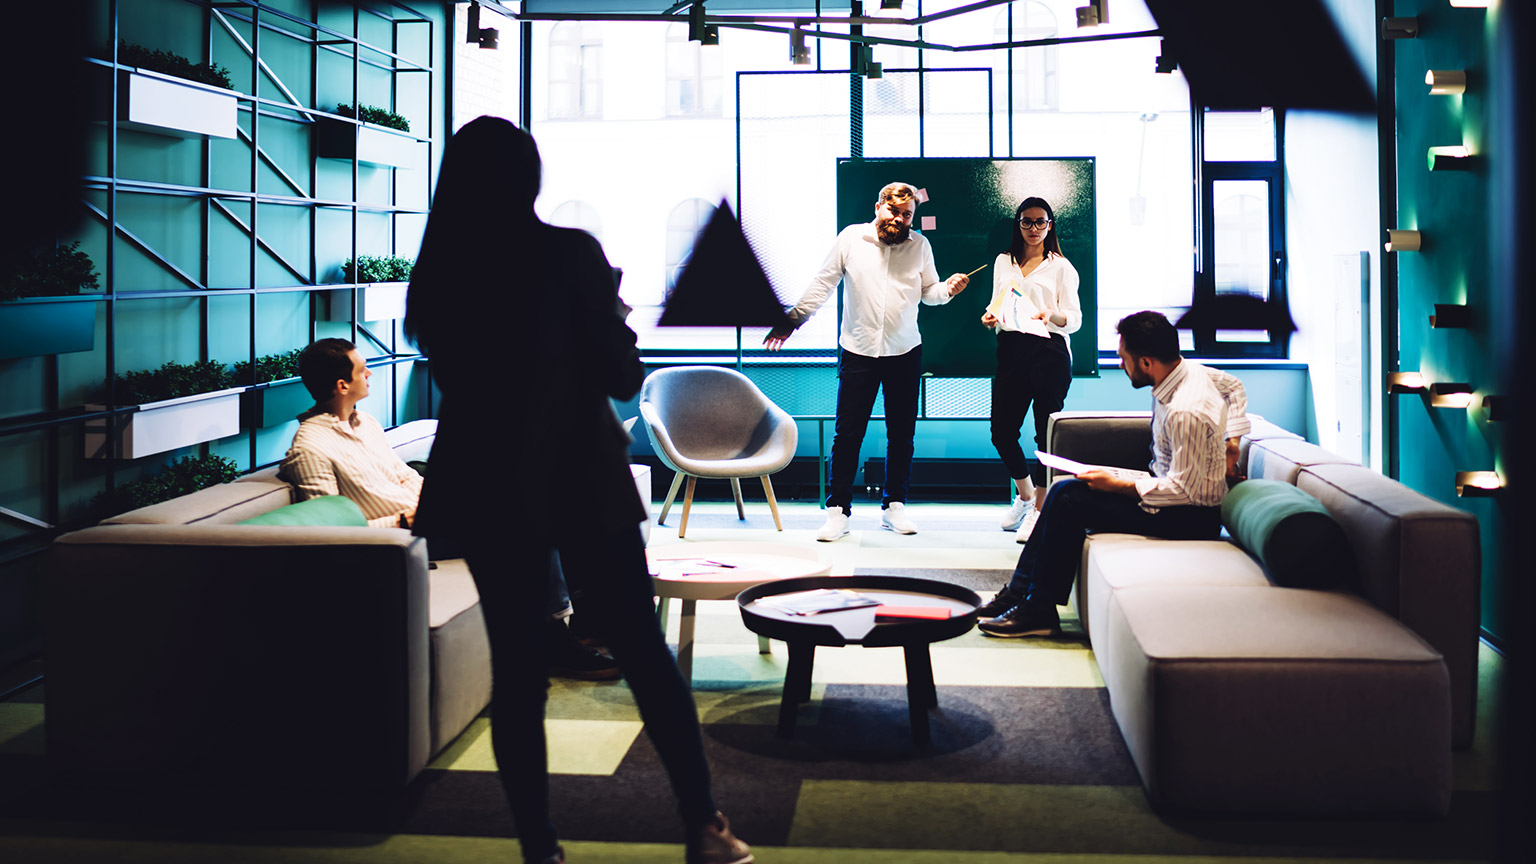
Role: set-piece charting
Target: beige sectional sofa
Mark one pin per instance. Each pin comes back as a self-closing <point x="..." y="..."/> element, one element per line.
<point x="1235" y="695"/>
<point x="293" y="665"/>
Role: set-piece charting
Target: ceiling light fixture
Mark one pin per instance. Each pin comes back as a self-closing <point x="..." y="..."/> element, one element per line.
<point x="700" y="32"/>
<point x="798" y="53"/>
<point x="1094" y="14"/>
<point x="485" y="37"/>
<point x="889" y="9"/>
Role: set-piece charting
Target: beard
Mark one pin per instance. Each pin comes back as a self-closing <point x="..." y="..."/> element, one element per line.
<point x="892" y="232"/>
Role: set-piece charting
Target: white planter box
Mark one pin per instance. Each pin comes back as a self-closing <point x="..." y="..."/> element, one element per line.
<point x="378" y="301"/>
<point x="374" y="145"/>
<point x="152" y="102"/>
<point x="160" y="426"/>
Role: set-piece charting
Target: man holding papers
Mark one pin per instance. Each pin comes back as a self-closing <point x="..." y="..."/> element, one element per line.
<point x="1198" y="415"/>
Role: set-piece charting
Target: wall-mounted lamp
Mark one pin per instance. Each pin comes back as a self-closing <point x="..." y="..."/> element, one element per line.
<point x="1470" y="4"/>
<point x="1399" y="28"/>
<point x="699" y="31"/>
<point x="1403" y="240"/>
<point x="1451" y="315"/>
<point x="1406" y="382"/>
<point x="1094" y="14"/>
<point x="889" y="9"/>
<point x="1455" y="158"/>
<point x="1446" y="82"/>
<point x="1498" y="410"/>
<point x="1451" y="394"/>
<point x="798" y="53"/>
<point x="474" y="34"/>
<point x="1478" y="484"/>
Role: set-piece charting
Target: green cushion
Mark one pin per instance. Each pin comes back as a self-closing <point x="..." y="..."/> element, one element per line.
<point x="1291" y="533"/>
<point x="334" y="510"/>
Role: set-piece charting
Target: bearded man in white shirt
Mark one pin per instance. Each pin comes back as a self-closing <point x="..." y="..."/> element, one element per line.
<point x="886" y="271"/>
<point x="1198" y="416"/>
<point x="340" y="450"/>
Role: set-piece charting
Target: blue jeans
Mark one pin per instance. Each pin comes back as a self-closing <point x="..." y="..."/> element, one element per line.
<point x="1072" y="511"/>
<point x="859" y="379"/>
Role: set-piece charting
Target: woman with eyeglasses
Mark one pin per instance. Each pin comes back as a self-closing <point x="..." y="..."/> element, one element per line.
<point x="1034" y="308"/>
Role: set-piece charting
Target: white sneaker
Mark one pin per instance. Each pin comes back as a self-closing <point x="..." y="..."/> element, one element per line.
<point x="1027" y="527"/>
<point x="835" y="528"/>
<point x="894" y="519"/>
<point x="1021" y="507"/>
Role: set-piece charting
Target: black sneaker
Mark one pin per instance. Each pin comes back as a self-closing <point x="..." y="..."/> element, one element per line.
<point x="568" y="658"/>
<point x="998" y="605"/>
<point x="1023" y="620"/>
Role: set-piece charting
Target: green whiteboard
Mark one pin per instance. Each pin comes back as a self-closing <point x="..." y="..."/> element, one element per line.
<point x="971" y="203"/>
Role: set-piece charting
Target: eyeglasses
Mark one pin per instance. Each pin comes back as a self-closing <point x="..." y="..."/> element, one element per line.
<point x="1034" y="223"/>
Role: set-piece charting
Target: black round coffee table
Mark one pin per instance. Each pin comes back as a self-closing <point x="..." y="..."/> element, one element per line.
<point x="802" y="633"/>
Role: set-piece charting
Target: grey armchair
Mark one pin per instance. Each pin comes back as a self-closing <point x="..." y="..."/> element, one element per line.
<point x="708" y="421"/>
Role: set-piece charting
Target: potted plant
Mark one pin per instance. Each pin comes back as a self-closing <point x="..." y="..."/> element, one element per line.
<point x="178" y="405"/>
<point x="182" y="477"/>
<point x="376" y="138"/>
<point x="32" y="326"/>
<point x="382" y="282"/>
<point x="273" y="392"/>
<point x="167" y="94"/>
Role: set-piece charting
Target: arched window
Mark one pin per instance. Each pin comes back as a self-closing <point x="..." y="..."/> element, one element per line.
<point x="693" y="76"/>
<point x="575" y="70"/>
<point x="684" y="224"/>
<point x="578" y="214"/>
<point x="1034" y="69"/>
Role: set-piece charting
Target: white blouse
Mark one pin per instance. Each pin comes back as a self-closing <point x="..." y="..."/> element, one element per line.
<point x="1050" y="287"/>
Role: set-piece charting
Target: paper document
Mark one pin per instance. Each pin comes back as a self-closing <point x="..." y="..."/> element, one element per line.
<point x="817" y="601"/>
<point x="1014" y="308"/>
<point x="1072" y="466"/>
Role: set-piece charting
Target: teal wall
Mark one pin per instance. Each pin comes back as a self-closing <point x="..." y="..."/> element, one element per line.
<point x="1450" y="208"/>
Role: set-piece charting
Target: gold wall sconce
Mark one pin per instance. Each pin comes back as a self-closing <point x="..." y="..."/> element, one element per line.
<point x="1451" y="394"/>
<point x="1446" y="82"/>
<point x="1403" y="240"/>
<point x="1451" y="315"/>
<point x="1451" y="158"/>
<point x="1478" y="484"/>
<point x="1406" y="382"/>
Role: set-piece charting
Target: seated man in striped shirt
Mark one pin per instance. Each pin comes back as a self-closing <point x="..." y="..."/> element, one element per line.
<point x="340" y="450"/>
<point x="1198" y="416"/>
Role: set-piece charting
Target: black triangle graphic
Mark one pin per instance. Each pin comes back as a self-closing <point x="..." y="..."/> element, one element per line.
<point x="723" y="285"/>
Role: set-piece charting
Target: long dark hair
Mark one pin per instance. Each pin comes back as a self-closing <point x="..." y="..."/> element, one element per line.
<point x="485" y="192"/>
<point x="1016" y="245"/>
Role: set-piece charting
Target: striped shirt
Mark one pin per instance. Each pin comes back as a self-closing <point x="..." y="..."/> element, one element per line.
<point x="332" y="457"/>
<point x="1195" y="409"/>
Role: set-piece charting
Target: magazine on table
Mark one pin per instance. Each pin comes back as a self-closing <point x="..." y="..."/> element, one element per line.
<point x="817" y="601"/>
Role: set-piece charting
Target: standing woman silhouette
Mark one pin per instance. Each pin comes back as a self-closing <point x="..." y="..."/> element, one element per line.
<point x="526" y="335"/>
<point x="1034" y="309"/>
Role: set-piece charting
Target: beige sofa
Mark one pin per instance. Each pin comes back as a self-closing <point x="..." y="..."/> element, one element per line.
<point x="289" y="665"/>
<point x="1238" y="696"/>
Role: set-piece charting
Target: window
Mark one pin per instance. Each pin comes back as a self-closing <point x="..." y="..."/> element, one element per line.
<point x="693" y="76"/>
<point x="1034" y="69"/>
<point x="578" y="214"/>
<point x="684" y="224"/>
<point x="575" y="70"/>
<point x="1242" y="249"/>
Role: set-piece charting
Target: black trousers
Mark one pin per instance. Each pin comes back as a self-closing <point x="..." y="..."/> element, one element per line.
<point x="1029" y="369"/>
<point x="1072" y="511"/>
<point x="609" y="570"/>
<point x="859" y="379"/>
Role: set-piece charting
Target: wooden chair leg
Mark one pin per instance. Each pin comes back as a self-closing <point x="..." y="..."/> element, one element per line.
<point x="773" y="504"/>
<point x="687" y="503"/>
<point x="736" y="490"/>
<point x="677" y="480"/>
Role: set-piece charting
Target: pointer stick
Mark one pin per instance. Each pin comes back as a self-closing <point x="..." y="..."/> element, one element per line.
<point x="977" y="270"/>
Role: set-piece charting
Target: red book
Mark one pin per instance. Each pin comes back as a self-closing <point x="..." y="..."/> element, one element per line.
<point x="935" y="613"/>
